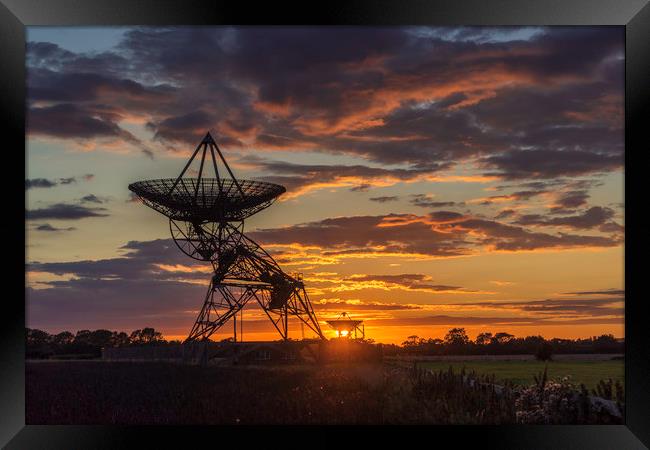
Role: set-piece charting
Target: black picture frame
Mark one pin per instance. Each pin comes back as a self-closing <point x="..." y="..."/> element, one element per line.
<point x="15" y="15"/>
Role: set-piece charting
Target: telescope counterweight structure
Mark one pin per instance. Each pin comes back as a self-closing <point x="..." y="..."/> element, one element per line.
<point x="206" y="219"/>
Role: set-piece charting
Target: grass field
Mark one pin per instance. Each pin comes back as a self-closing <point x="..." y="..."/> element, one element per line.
<point x="521" y="372"/>
<point x="99" y="392"/>
<point x="139" y="393"/>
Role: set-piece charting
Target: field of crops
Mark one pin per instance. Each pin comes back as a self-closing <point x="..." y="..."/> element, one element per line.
<point x="521" y="372"/>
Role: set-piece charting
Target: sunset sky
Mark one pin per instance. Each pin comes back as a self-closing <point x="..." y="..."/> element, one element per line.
<point x="436" y="177"/>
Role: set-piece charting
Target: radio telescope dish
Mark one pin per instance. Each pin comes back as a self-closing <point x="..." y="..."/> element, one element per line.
<point x="346" y="327"/>
<point x="206" y="220"/>
<point x="204" y="212"/>
<point x="207" y="199"/>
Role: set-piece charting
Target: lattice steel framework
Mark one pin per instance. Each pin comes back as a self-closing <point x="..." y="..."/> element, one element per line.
<point x="206" y="219"/>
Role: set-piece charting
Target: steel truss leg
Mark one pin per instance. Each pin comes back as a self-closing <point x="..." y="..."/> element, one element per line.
<point x="221" y="303"/>
<point x="298" y="306"/>
<point x="258" y="275"/>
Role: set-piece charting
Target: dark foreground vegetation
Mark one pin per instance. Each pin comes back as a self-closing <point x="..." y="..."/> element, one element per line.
<point x="98" y="392"/>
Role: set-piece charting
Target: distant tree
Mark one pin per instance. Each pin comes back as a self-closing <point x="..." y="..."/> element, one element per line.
<point x="606" y="343"/>
<point x="146" y="336"/>
<point x="39" y="344"/>
<point x="149" y="335"/>
<point x="483" y="338"/>
<point x="82" y="337"/>
<point x="457" y="337"/>
<point x="63" y="338"/>
<point x="411" y="341"/>
<point x="135" y="337"/>
<point x="457" y="342"/>
<point x="503" y="338"/>
<point x="100" y="338"/>
<point x="38" y="337"/>
<point x="120" y="339"/>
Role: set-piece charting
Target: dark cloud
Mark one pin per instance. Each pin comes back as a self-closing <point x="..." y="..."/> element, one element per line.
<point x="48" y="56"/>
<point x="442" y="233"/>
<point x="404" y="279"/>
<point x="504" y="213"/>
<point x="427" y="137"/>
<point x="611" y="306"/>
<point x="48" y="227"/>
<point x="69" y="86"/>
<point x="474" y="320"/>
<point x="91" y="198"/>
<point x="591" y="218"/>
<point x="612" y="291"/>
<point x="122" y="304"/>
<point x="69" y="120"/>
<point x="408" y="281"/>
<point x="542" y="107"/>
<point x="299" y="178"/>
<point x="424" y="201"/>
<point x="550" y="163"/>
<point x="445" y="216"/>
<point x="148" y="284"/>
<point x="361" y="187"/>
<point x="385" y="199"/>
<point x="141" y="262"/>
<point x="363" y="306"/>
<point x="572" y="199"/>
<point x="45" y="183"/>
<point x="534" y="185"/>
<point x="365" y="234"/>
<point x="611" y="227"/>
<point x="39" y="183"/>
<point x="189" y="127"/>
<point x="515" y="196"/>
<point x="65" y="211"/>
<point x="513" y="238"/>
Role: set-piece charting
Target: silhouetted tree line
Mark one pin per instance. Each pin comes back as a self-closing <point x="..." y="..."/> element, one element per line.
<point x="86" y="343"/>
<point x="457" y="342"/>
<point x="89" y="344"/>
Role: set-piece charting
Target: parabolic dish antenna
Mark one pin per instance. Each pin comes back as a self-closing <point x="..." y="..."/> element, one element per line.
<point x="207" y="199"/>
<point x="206" y="220"/>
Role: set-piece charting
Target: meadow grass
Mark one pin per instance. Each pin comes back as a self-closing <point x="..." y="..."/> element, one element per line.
<point x="522" y="372"/>
<point x="139" y="393"/>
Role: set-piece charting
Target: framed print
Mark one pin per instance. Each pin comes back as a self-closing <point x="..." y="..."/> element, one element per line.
<point x="364" y="213"/>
